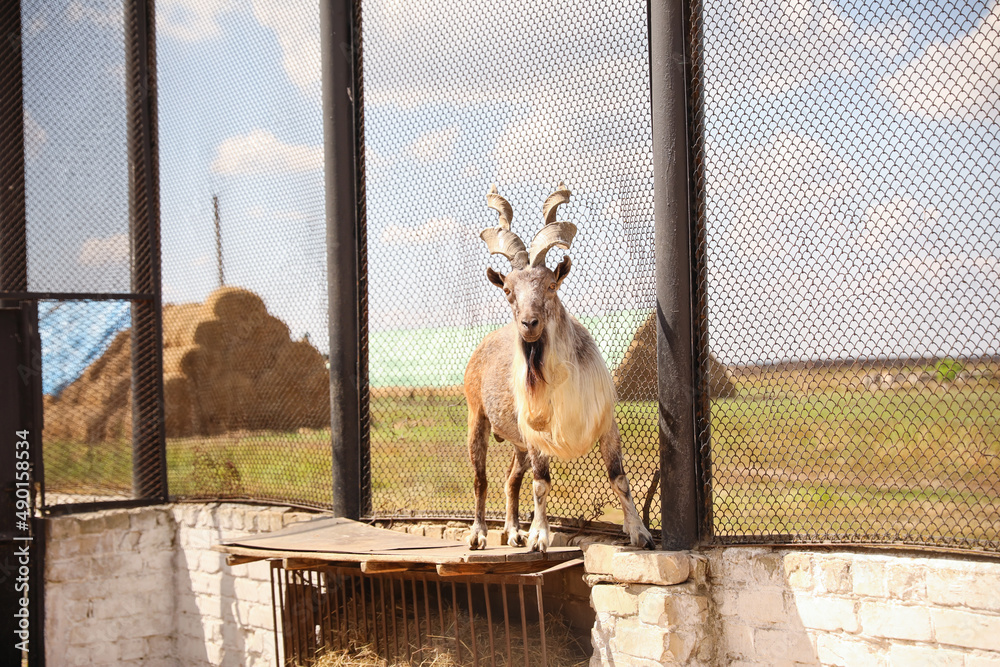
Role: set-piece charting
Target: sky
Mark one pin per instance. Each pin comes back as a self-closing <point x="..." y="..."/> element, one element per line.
<point x="851" y="159"/>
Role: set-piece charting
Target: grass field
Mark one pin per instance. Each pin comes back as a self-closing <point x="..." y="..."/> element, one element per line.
<point x="815" y="453"/>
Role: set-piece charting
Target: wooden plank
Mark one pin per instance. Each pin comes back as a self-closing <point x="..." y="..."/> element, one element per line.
<point x="336" y="534"/>
<point x="553" y="554"/>
<point x="376" y="567"/>
<point x="233" y="559"/>
<point x="302" y="563"/>
<point x="515" y="567"/>
<point x="564" y="565"/>
<point x="521" y="559"/>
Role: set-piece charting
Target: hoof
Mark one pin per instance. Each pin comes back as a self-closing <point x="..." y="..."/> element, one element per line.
<point x="539" y="541"/>
<point x="476" y="540"/>
<point x="512" y="538"/>
<point x="642" y="538"/>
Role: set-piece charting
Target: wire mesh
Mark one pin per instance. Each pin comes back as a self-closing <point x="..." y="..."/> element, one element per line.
<point x="848" y="174"/>
<point x="86" y="382"/>
<point x="458" y="96"/>
<point x="75" y="147"/>
<point x="245" y="331"/>
<point x="76" y="213"/>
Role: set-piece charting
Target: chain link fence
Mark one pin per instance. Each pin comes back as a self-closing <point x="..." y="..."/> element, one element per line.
<point x="458" y="96"/>
<point x="848" y="174"/>
<point x="76" y="225"/>
<point x="246" y="385"/>
<point x="845" y="173"/>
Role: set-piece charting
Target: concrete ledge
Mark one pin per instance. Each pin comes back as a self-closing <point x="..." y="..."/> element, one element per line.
<point x="628" y="565"/>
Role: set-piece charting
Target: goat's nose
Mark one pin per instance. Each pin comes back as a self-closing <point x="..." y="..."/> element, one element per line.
<point x="530" y="324"/>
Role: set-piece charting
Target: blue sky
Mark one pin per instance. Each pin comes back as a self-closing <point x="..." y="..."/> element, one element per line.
<point x="852" y="153"/>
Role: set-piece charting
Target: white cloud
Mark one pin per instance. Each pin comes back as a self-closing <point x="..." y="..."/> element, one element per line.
<point x="900" y="221"/>
<point x="110" y="17"/>
<point x="260" y="152"/>
<point x="435" y="145"/>
<point x="432" y="231"/>
<point x="35" y="136"/>
<point x="954" y="267"/>
<point x="296" y="24"/>
<point x="813" y="42"/>
<point x="36" y="25"/>
<point x="786" y="45"/>
<point x="97" y="252"/>
<point x="783" y="192"/>
<point x="191" y="20"/>
<point x="258" y="212"/>
<point x="587" y="134"/>
<point x="953" y="80"/>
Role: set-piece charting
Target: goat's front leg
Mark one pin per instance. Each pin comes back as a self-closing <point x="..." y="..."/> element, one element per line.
<point x="611" y="452"/>
<point x="511" y="534"/>
<point x="479" y="431"/>
<point x="539" y="537"/>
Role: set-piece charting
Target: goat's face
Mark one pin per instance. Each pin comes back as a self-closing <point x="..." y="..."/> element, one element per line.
<point x="532" y="295"/>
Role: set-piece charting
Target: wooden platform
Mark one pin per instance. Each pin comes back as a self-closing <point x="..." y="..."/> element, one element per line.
<point x="337" y="541"/>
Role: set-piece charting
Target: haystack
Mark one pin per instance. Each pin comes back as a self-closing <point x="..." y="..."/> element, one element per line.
<point x="227" y="365"/>
<point x="635" y="377"/>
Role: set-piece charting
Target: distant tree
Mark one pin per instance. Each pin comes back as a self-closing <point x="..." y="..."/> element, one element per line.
<point x="948" y="369"/>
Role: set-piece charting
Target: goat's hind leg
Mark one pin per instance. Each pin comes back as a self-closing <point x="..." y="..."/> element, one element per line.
<point x="479" y="431"/>
<point x="611" y="452"/>
<point x="512" y="535"/>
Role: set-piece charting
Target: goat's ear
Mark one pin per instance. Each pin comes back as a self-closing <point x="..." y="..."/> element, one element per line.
<point x="562" y="270"/>
<point x="494" y="277"/>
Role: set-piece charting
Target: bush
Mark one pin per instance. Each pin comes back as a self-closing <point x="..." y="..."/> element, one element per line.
<point x="948" y="369"/>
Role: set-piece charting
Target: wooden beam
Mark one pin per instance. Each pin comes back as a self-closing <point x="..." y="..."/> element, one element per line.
<point x="302" y="563"/>
<point x="234" y="559"/>
<point x="516" y="567"/>
<point x="377" y="567"/>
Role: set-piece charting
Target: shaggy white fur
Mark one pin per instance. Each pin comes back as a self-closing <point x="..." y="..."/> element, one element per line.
<point x="564" y="415"/>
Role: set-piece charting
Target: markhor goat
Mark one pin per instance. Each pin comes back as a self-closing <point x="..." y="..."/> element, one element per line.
<point x="539" y="382"/>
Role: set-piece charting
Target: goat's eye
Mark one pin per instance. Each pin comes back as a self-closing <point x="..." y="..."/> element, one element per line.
<point x="552" y="286"/>
<point x="506" y="291"/>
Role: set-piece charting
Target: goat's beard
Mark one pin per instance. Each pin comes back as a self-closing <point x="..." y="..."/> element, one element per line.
<point x="533" y="353"/>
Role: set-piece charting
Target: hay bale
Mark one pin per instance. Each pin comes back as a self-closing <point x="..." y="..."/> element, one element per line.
<point x="228" y="365"/>
<point x="177" y="405"/>
<point x="179" y="323"/>
<point x="635" y="378"/>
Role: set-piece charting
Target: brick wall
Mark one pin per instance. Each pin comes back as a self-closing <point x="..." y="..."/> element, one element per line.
<point x="762" y="607"/>
<point x="142" y="586"/>
<point x="854" y="608"/>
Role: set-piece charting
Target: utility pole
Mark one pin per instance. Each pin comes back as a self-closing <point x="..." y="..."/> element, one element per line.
<point x="218" y="237"/>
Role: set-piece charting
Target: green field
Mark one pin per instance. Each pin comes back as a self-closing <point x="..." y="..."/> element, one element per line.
<point x="808" y="453"/>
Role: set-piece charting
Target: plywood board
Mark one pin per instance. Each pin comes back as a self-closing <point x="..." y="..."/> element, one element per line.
<point x="338" y="540"/>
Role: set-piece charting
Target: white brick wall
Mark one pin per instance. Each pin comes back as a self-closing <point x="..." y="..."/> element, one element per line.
<point x="108" y="582"/>
<point x="785" y="607"/>
<point x="757" y="607"/>
<point x="142" y="586"/>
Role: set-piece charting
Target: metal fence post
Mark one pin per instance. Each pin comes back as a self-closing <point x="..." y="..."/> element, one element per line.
<point x="337" y="57"/>
<point x="677" y="391"/>
<point x="149" y="467"/>
<point x="13" y="234"/>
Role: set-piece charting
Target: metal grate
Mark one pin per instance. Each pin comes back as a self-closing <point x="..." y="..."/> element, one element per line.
<point x="458" y="96"/>
<point x="419" y="617"/>
<point x="848" y="175"/>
